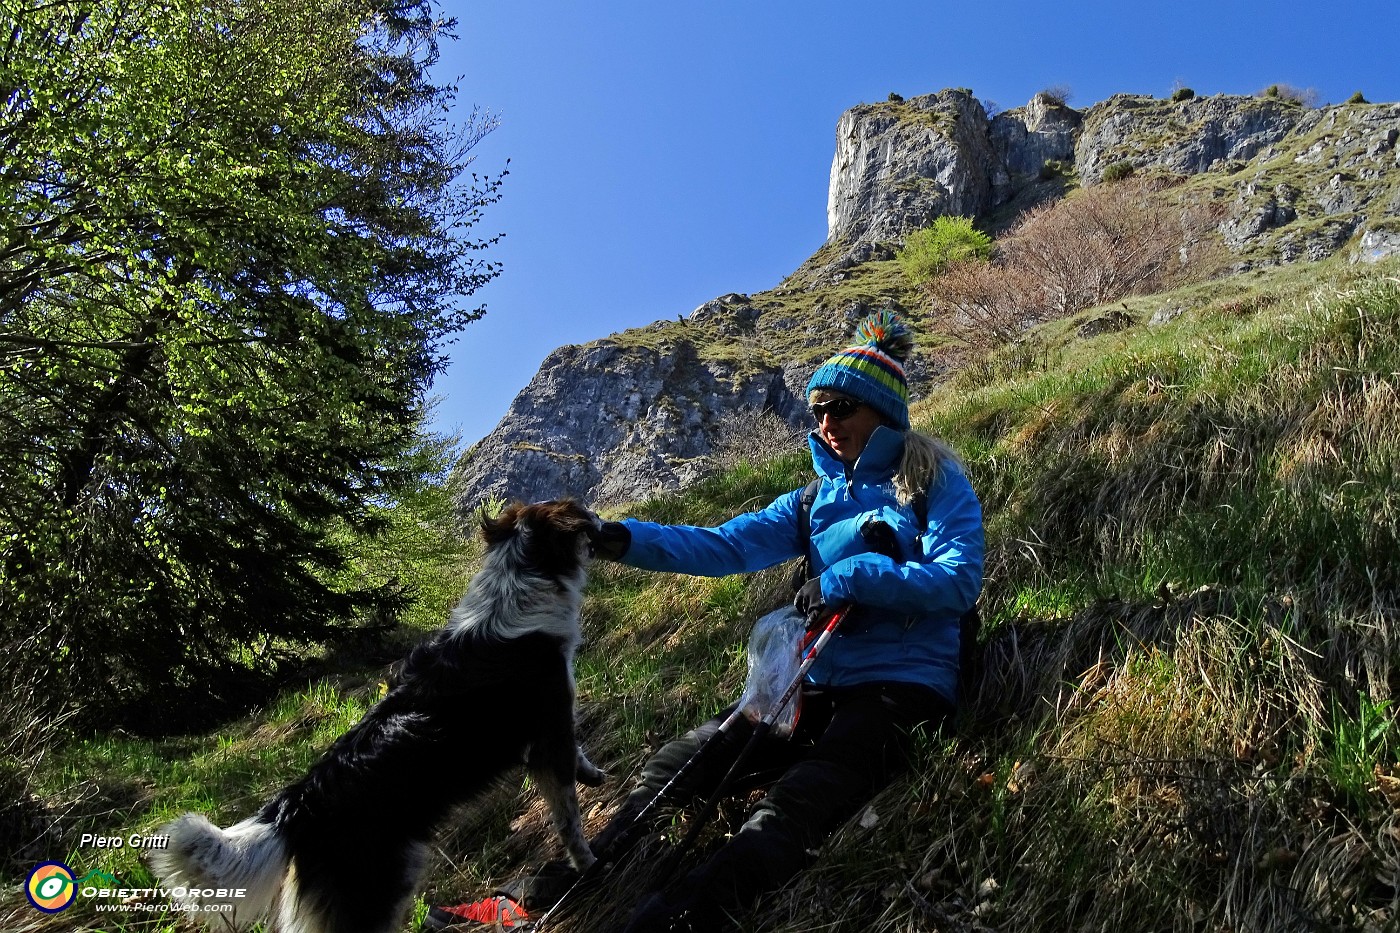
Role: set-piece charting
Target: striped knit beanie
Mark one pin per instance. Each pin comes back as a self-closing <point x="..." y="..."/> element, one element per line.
<point x="872" y="370"/>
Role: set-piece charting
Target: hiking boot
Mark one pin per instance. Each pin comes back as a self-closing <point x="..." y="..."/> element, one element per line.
<point x="495" y="912"/>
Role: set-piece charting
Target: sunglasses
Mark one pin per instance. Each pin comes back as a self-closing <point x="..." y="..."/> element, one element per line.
<point x="839" y="409"/>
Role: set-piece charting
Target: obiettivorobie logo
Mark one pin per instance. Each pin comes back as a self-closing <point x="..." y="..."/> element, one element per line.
<point x="53" y="886"/>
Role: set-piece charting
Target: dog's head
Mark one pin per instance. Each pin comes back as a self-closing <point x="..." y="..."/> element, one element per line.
<point x="553" y="537"/>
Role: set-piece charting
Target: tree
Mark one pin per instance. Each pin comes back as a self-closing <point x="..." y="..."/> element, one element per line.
<point x="233" y="240"/>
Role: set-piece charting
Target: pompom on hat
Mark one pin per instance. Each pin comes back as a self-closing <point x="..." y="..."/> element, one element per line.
<point x="872" y="369"/>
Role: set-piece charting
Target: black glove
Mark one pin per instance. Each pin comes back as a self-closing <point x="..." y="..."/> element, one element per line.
<point x="809" y="600"/>
<point x="880" y="539"/>
<point x="611" y="541"/>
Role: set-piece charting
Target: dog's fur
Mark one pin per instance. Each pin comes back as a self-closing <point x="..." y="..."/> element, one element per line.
<point x="341" y="849"/>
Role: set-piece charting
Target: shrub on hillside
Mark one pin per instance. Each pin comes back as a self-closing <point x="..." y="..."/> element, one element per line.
<point x="986" y="305"/>
<point x="749" y="436"/>
<point x="1098" y="245"/>
<point x="1358" y="98"/>
<point x="1181" y="94"/>
<point x="1057" y="95"/>
<point x="928" y="252"/>
<point x="1287" y="92"/>
<point x="1118" y="171"/>
<point x="1111" y="241"/>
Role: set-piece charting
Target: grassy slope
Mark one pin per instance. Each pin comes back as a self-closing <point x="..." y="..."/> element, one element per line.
<point x="1183" y="719"/>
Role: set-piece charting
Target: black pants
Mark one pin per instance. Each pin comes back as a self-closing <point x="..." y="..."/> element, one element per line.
<point x="847" y="746"/>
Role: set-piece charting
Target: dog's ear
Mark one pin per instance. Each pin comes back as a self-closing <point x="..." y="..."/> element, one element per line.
<point x="503" y="526"/>
<point x="569" y="516"/>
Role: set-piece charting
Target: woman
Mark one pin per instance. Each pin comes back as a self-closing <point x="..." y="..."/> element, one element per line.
<point x="891" y="668"/>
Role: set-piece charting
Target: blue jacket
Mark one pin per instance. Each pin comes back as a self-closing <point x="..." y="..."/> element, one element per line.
<point x="904" y="624"/>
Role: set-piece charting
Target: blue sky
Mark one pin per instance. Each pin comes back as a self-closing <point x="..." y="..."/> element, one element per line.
<point x="662" y="154"/>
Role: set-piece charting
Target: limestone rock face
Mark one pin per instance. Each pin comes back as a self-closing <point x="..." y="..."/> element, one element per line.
<point x="1028" y="138"/>
<point x="899" y="165"/>
<point x="613" y="423"/>
<point x="1185" y="137"/>
<point x="1376" y="245"/>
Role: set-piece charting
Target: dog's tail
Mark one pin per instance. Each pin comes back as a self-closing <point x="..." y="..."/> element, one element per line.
<point x="241" y="867"/>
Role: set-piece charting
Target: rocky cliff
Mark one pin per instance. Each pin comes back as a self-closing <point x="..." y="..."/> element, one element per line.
<point x="641" y="411"/>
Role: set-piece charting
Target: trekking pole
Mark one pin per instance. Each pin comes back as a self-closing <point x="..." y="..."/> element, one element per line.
<point x="760" y="731"/>
<point x="596" y="868"/>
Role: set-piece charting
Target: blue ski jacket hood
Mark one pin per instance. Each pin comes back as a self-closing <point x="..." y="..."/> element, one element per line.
<point x="903" y="626"/>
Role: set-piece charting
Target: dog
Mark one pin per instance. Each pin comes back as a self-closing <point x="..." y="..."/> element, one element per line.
<point x="342" y="848"/>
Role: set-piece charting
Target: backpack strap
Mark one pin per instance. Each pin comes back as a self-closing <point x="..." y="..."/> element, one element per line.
<point x="804" y="524"/>
<point x="804" y="530"/>
<point x="920" y="505"/>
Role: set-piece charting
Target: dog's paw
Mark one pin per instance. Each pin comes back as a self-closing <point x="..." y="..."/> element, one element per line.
<point x="591" y="776"/>
<point x="586" y="772"/>
<point x="583" y="860"/>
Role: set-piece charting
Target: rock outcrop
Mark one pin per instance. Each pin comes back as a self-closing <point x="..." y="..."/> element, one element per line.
<point x="610" y="422"/>
<point x="627" y="416"/>
<point x="1181" y="137"/>
<point x="899" y="165"/>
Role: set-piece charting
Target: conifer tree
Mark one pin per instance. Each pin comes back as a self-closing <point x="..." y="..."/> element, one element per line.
<point x="234" y="236"/>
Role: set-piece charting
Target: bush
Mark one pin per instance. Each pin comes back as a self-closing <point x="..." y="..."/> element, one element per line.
<point x="928" y="252"/>
<point x="1118" y="171"/>
<point x="1358" y="98"/>
<point x="751" y="436"/>
<point x="1053" y="168"/>
<point x="1111" y="241"/>
<point x="1057" y="95"/>
<point x="986" y="306"/>
<point x="895" y="98"/>
<point x="1182" y="93"/>
<point x="1099" y="245"/>
<point x="1287" y="92"/>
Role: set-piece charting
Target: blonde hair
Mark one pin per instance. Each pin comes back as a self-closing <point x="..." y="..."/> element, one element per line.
<point x="921" y="463"/>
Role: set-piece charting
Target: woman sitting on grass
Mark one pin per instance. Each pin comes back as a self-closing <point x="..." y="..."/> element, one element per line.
<point x="890" y="670"/>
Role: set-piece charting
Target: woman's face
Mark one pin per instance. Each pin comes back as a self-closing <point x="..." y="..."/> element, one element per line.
<point x="846" y="436"/>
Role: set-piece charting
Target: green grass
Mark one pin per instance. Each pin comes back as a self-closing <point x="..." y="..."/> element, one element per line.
<point x="1361" y="742"/>
<point x="1184" y="713"/>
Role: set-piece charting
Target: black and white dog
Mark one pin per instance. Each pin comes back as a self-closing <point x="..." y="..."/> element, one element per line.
<point x="342" y="848"/>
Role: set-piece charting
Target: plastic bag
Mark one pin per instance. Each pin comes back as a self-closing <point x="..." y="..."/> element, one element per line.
<point x="775" y="654"/>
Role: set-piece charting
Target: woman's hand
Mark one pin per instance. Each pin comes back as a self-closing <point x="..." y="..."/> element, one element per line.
<point x="809" y="600"/>
<point x="611" y="541"/>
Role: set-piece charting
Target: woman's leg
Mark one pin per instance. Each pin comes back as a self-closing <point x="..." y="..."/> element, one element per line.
<point x="866" y="744"/>
<point x="698" y="782"/>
